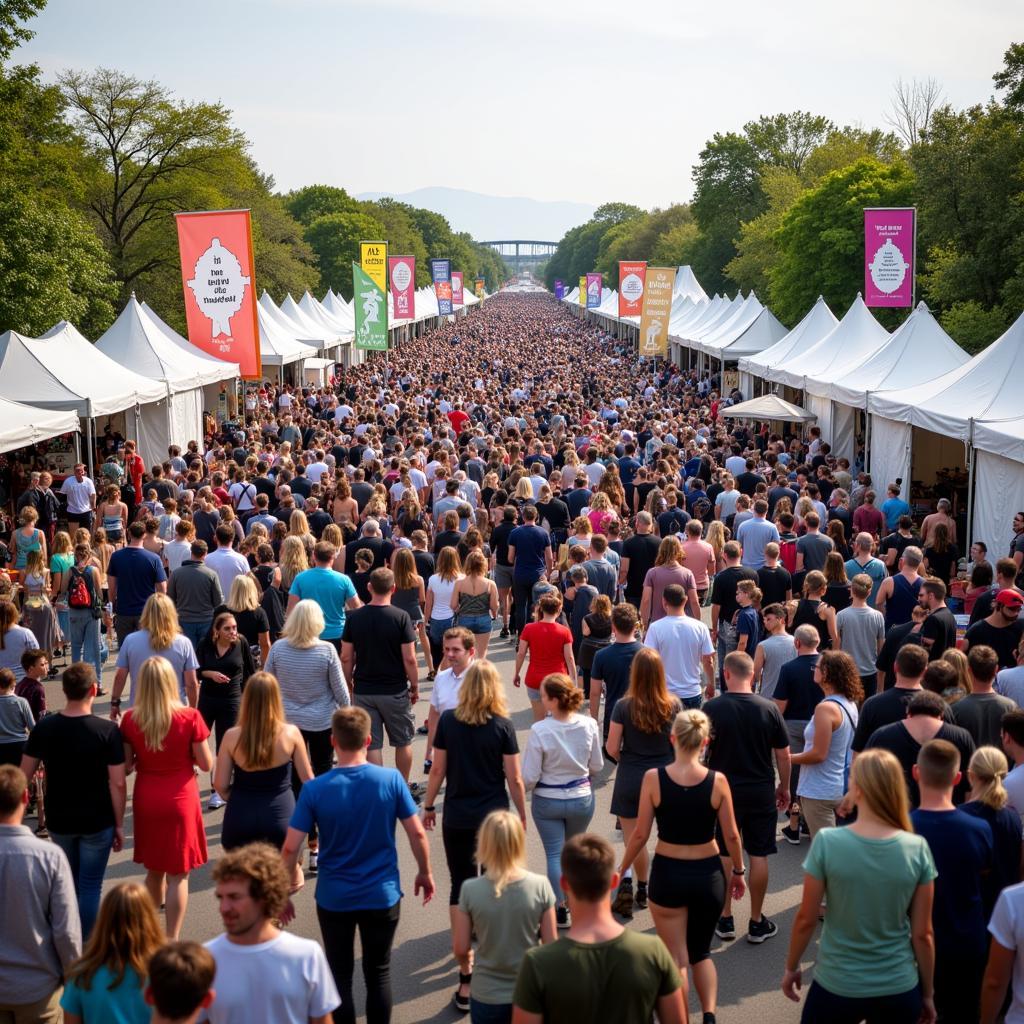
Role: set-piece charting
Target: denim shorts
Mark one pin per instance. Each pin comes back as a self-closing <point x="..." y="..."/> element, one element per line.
<point x="533" y="692"/>
<point x="476" y="624"/>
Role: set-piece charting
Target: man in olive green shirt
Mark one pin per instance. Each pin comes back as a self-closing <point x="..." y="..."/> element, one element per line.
<point x="599" y="971"/>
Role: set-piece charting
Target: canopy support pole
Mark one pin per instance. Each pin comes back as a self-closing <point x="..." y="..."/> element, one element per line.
<point x="867" y="432"/>
<point x="970" y="484"/>
<point x="88" y="437"/>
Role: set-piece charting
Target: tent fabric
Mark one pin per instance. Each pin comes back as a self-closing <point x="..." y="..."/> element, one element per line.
<point x="314" y="336"/>
<point x="768" y="407"/>
<point x="687" y="284"/>
<point x="985" y="388"/>
<point x="22" y="425"/>
<point x="729" y="330"/>
<point x="764" y="331"/>
<point x="818" y="322"/>
<point x="889" y="446"/>
<point x="1001" y="437"/>
<point x="277" y="346"/>
<point x="856" y="337"/>
<point x="62" y="370"/>
<point x="319" y="315"/>
<point x="822" y="409"/>
<point x="998" y="497"/>
<point x="298" y="315"/>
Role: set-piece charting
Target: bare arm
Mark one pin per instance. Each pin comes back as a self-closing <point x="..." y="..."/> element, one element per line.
<point x="782" y="765"/>
<point x="202" y="756"/>
<point x="191" y="688"/>
<point x="803" y="928"/>
<point x="412" y="672"/>
<point x="694" y="602"/>
<point x="645" y="606"/>
<point x="118" y="785"/>
<point x="421" y="851"/>
<point x="225" y="763"/>
<point x="348" y="663"/>
<point x="922" y="938"/>
<point x="516" y="788"/>
<point x="570" y="663"/>
<point x="993" y="988"/>
<point x="596" y="688"/>
<point x="649" y="792"/>
<point x="613" y="745"/>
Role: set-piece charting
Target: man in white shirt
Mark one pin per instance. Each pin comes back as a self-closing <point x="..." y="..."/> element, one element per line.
<point x="685" y="647"/>
<point x="459" y="649"/>
<point x="315" y="470"/>
<point x="226" y="562"/>
<point x="264" y="975"/>
<point x="81" y="494"/>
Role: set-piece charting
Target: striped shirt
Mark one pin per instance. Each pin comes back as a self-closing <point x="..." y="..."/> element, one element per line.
<point x="311" y="682"/>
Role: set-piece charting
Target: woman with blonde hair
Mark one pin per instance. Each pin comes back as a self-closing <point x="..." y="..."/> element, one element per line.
<point x="474" y="601"/>
<point x="582" y="531"/>
<point x="505" y="908"/>
<point x="37" y="611"/>
<point x="876" y="955"/>
<point x="298" y="526"/>
<point x="601" y="512"/>
<point x="293" y="560"/>
<point x="717" y="538"/>
<point x="332" y="535"/>
<point x="410" y="596"/>
<point x="563" y="753"/>
<point x="668" y="568"/>
<point x="255" y="766"/>
<point x="163" y="742"/>
<point x="253" y="624"/>
<point x="690" y="803"/>
<point x="62" y="558"/>
<point x="476" y="755"/>
<point x="106" y="984"/>
<point x="312" y="685"/>
<point x="989" y="801"/>
<point x="438" y="610"/>
<point x="955" y="657"/>
<point x="158" y="635"/>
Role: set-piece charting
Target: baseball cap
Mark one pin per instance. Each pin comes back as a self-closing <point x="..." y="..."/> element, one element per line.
<point x="1009" y="597"/>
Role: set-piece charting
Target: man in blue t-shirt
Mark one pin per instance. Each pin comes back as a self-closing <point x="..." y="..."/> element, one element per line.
<point x="529" y="551"/>
<point x="355" y="807"/>
<point x="893" y="507"/>
<point x="333" y="591"/>
<point x="133" y="576"/>
<point x="610" y="670"/>
<point x="962" y="846"/>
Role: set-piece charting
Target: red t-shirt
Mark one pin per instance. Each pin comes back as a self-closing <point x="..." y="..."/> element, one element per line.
<point x="546" y="641"/>
<point x="135" y="467"/>
<point x="868" y="519"/>
<point x="458" y="419"/>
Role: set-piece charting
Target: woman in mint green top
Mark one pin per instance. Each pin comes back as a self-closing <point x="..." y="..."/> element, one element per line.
<point x="876" y="956"/>
<point x="61" y="561"/>
<point x="106" y="984"/>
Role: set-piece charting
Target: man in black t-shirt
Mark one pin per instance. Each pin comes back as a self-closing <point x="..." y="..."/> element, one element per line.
<point x="773" y="580"/>
<point x="938" y="633"/>
<point x="378" y="656"/>
<point x="891" y="549"/>
<point x="85" y="784"/>
<point x="369" y="538"/>
<point x="724" y="606"/>
<point x="638" y="556"/>
<point x="748" y="742"/>
<point x="612" y="664"/>
<point x="501" y="567"/>
<point x="1002" y="629"/>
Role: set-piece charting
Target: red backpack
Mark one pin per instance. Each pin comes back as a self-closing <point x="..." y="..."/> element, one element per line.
<point x="79" y="594"/>
<point x="787" y="554"/>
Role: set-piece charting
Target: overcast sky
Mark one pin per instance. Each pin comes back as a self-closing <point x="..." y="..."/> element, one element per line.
<point x="595" y="101"/>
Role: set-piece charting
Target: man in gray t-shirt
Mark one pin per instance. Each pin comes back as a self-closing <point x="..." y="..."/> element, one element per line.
<point x="754" y="534"/>
<point x="812" y="548"/>
<point x="862" y="631"/>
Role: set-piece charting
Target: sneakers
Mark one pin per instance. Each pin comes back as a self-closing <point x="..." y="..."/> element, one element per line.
<point x="726" y="928"/>
<point x="504" y="633"/>
<point x="562" y="918"/>
<point x="623" y="902"/>
<point x="313" y="862"/>
<point x="216" y="802"/>
<point x="761" y="930"/>
<point x="791" y="835"/>
<point x="422" y="730"/>
<point x="641" y="895"/>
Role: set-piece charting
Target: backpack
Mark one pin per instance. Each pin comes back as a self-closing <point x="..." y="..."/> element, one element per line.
<point x="79" y="591"/>
<point x="787" y="555"/>
<point x="702" y="509"/>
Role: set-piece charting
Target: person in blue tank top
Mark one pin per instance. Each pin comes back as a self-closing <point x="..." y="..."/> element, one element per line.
<point x="897" y="595"/>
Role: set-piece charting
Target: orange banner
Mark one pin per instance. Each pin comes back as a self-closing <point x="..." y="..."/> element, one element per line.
<point x="218" y="274"/>
<point x="631" y="287"/>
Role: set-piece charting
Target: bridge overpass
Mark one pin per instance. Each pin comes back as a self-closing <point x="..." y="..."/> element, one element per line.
<point x="521" y="253"/>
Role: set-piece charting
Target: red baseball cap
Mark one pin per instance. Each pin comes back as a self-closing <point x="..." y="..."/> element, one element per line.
<point x="1011" y="598"/>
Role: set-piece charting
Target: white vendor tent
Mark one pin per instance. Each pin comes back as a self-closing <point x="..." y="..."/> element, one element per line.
<point x="814" y="326"/>
<point x="688" y="285"/>
<point x="768" y="407"/>
<point x="278" y="347"/>
<point x="22" y="425"/>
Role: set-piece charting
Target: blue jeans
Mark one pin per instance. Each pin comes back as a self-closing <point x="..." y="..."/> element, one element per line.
<point x="87" y="855"/>
<point x="692" y="703"/>
<point x="435" y="633"/>
<point x="478" y="625"/>
<point x="85" y="638"/>
<point x="64" y="621"/>
<point x="557" y="821"/>
<point x="196" y="632"/>
<point x="489" y="1013"/>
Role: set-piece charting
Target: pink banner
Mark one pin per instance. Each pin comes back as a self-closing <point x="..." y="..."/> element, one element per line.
<point x="457" y="288"/>
<point x="402" y="275"/>
<point x="889" y="246"/>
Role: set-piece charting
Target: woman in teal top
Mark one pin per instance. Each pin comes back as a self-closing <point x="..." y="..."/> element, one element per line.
<point x="106" y="984"/>
<point x="876" y="957"/>
<point x="60" y="568"/>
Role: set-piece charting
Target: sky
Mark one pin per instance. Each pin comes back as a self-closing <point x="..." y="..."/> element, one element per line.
<point x="598" y="101"/>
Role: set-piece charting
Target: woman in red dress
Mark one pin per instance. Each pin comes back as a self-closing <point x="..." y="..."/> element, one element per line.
<point x="163" y="740"/>
<point x="549" y="646"/>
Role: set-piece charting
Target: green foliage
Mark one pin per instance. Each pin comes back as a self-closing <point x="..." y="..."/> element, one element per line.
<point x="312" y="201"/>
<point x="335" y="238"/>
<point x="12" y="30"/>
<point x="972" y="325"/>
<point x="1011" y="77"/>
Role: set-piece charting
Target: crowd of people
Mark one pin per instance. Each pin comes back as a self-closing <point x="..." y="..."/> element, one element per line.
<point x="725" y="617"/>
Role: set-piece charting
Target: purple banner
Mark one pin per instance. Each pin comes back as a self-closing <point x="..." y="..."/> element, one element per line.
<point x="889" y="246"/>
<point x="559" y="290"/>
<point x="593" y="291"/>
<point x="441" y="275"/>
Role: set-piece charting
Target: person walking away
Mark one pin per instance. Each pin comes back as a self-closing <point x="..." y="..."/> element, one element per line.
<point x="195" y="590"/>
<point x="723" y="603"/>
<point x="861" y="632"/>
<point x="86" y="791"/>
<point x="596" y="634"/>
<point x="667" y="569"/>
<point x="776" y="648"/>
<point x="506" y="908"/>
<point x="563" y="753"/>
<point x="938" y="631"/>
<point x="84" y="596"/>
<point x="639" y="554"/>
<point x="16" y="720"/>
<point x="438" y="610"/>
<point x="609" y="674"/>
<point x="224" y="560"/>
<point x="474" y="601"/>
<point x="570" y="979"/>
<point x="106" y="983"/>
<point x="638" y="739"/>
<point x="529" y="551"/>
<point x="962" y="847"/>
<point x="699" y="558"/>
<point x="688" y="800"/>
<point x="548" y="645"/>
<point x="876" y="957"/>
<point x="332" y="591"/>
<point x="411" y="596"/>
<point x="255" y="766"/>
<point x="266" y="975"/>
<point x="44" y="936"/>
<point x="748" y="743"/>
<point x="898" y="594"/>
<point x="686" y="650"/>
<point x="253" y="622"/>
<point x="476" y="756"/>
<point x="133" y="575"/>
<point x="864" y="562"/>
<point x="1002" y="630"/>
<point x="981" y="711"/>
<point x="355" y="807"/>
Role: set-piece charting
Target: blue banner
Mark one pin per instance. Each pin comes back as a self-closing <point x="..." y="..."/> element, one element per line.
<point x="559" y="290"/>
<point x="441" y="274"/>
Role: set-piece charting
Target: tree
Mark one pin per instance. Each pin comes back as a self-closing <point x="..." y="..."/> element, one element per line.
<point x="913" y="105"/>
<point x="616" y="213"/>
<point x="972" y="326"/>
<point x="148" y="151"/>
<point x="401" y="234"/>
<point x="1011" y="77"/>
<point x="787" y="140"/>
<point x="312" y="201"/>
<point x="12" y="32"/>
<point x="335" y="238"/>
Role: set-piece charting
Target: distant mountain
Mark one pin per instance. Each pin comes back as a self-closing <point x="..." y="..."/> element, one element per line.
<point x="489" y="218"/>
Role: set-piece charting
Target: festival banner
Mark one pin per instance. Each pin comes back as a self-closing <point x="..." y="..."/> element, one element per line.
<point x="402" y="273"/>
<point x="373" y="259"/>
<point x="441" y="275"/>
<point x="657" y="306"/>
<point x="218" y="272"/>
<point x="631" y="286"/>
<point x="480" y="287"/>
<point x="593" y="291"/>
<point x="371" y="308"/>
<point x="582" y="298"/>
<point x="559" y="290"/>
<point x="457" y="299"/>
<point x="890" y="246"/>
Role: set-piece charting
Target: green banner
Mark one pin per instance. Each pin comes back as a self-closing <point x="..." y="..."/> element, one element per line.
<point x="371" y="307"/>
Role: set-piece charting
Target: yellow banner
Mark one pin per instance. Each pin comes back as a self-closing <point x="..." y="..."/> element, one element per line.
<point x="583" y="291"/>
<point x="373" y="261"/>
<point x="656" y="309"/>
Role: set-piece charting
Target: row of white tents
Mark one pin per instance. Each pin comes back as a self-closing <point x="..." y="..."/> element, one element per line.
<point x="920" y="401"/>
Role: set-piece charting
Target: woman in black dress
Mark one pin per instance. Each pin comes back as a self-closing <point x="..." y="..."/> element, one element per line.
<point x="255" y="765"/>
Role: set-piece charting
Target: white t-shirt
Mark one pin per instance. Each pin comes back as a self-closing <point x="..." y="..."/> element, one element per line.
<point x="445" y="694"/>
<point x="283" y="981"/>
<point x="1007" y="928"/>
<point x="79" y="494"/>
<point x="594" y="471"/>
<point x="315" y="470"/>
<point x="175" y="552"/>
<point x="243" y="494"/>
<point x="227" y="564"/>
<point x="681" y="642"/>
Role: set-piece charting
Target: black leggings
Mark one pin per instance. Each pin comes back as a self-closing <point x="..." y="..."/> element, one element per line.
<point x="321" y="757"/>
<point x="522" y="594"/>
<point x="376" y="934"/>
<point x="824" y="1007"/>
<point x="219" y="713"/>
<point x="697" y="885"/>
<point x="460" y="852"/>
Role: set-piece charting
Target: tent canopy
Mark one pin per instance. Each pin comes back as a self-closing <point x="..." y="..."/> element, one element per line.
<point x="768" y="407"/>
<point x="687" y="284"/>
<point x="818" y="322"/>
<point x="22" y="425"/>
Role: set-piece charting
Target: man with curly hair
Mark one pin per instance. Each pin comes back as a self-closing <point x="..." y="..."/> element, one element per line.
<point x="264" y="975"/>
